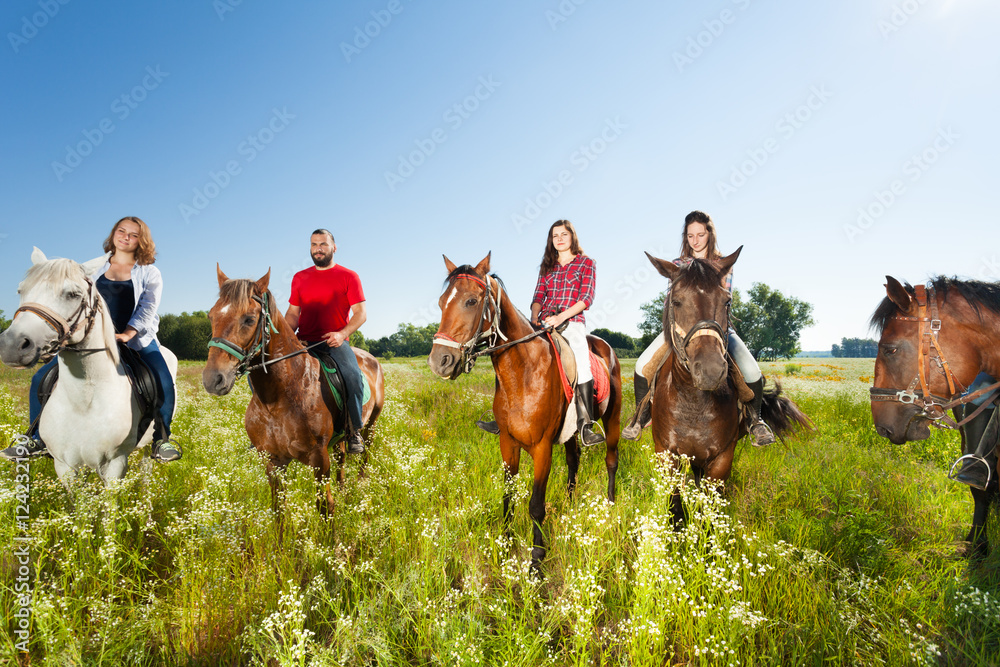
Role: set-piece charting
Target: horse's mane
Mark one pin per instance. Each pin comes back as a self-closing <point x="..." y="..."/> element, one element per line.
<point x="464" y="270"/>
<point x="238" y="292"/>
<point x="699" y="274"/>
<point x="976" y="292"/>
<point x="59" y="270"/>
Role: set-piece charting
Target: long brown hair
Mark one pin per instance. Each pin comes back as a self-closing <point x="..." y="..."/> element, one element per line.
<point x="550" y="260"/>
<point x="146" y="252"/>
<point x="713" y="243"/>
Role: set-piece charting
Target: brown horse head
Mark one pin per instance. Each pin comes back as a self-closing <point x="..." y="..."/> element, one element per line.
<point x="696" y="317"/>
<point x="905" y="326"/>
<point x="236" y="324"/>
<point x="464" y="315"/>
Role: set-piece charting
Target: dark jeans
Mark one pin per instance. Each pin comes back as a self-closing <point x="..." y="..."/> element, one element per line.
<point x="347" y="364"/>
<point x="165" y="384"/>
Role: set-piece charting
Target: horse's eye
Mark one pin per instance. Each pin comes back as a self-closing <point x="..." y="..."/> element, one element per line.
<point x="471" y="302"/>
<point x="72" y="295"/>
<point x="676" y="303"/>
<point x="888" y="351"/>
<point x="248" y="320"/>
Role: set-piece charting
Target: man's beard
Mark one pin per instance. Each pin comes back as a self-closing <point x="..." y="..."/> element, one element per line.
<point x="322" y="262"/>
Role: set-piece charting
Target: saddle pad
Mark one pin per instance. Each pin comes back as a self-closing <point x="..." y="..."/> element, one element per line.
<point x="366" y="390"/>
<point x="602" y="385"/>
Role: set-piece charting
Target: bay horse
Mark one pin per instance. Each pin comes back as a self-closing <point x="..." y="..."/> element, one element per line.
<point x="530" y="405"/>
<point x="92" y="417"/>
<point x="292" y="413"/>
<point x="935" y="339"/>
<point x="696" y="410"/>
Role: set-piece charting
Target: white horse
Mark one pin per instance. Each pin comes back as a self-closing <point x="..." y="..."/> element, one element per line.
<point x="92" y="417"/>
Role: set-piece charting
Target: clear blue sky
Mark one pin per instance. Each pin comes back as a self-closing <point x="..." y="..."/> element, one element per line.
<point x="782" y="120"/>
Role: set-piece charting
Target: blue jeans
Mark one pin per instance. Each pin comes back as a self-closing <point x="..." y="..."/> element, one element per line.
<point x="347" y="365"/>
<point x="164" y="382"/>
<point x="982" y="380"/>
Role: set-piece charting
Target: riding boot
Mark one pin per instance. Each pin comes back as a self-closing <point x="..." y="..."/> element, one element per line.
<point x="981" y="442"/>
<point x="584" y="424"/>
<point x="761" y="432"/>
<point x="355" y="443"/>
<point x="25" y="446"/>
<point x="642" y="416"/>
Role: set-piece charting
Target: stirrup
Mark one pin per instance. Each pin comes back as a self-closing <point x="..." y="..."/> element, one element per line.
<point x="490" y="426"/>
<point x="952" y="475"/>
<point x="768" y="435"/>
<point x="599" y="432"/>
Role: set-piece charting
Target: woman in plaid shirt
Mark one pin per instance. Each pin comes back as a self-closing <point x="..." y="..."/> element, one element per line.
<point x="699" y="242"/>
<point x="566" y="282"/>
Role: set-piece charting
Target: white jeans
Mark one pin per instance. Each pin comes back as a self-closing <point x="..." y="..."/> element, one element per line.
<point x="737" y="350"/>
<point x="576" y="335"/>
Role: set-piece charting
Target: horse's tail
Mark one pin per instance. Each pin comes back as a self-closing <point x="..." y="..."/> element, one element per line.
<point x="781" y="413"/>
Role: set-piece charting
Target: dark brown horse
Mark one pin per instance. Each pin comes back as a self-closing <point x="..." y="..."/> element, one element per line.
<point x="696" y="410"/>
<point x="292" y="413"/>
<point x="935" y="339"/>
<point x="530" y="405"/>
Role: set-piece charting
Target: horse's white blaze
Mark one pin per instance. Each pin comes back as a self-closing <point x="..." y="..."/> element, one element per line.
<point x="224" y="310"/>
<point x="454" y="291"/>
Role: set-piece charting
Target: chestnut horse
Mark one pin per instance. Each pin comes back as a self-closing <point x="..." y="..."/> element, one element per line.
<point x="696" y="410"/>
<point x="292" y="413"/>
<point x="530" y="406"/>
<point x="955" y="324"/>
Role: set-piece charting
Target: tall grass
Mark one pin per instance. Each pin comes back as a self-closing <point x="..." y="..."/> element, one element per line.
<point x="833" y="548"/>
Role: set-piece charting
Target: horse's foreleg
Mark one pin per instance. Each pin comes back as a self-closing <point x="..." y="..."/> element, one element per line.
<point x="114" y="469"/>
<point x="511" y="453"/>
<point x="572" y="464"/>
<point x="542" y="456"/>
<point x="612" y="434"/>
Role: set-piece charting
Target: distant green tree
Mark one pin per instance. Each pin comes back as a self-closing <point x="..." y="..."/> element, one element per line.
<point x="652" y="319"/>
<point x="770" y="322"/>
<point x="186" y="335"/>
<point x="408" y="341"/>
<point x="357" y="340"/>
<point x="4" y="322"/>
<point x="855" y="348"/>
<point x="623" y="344"/>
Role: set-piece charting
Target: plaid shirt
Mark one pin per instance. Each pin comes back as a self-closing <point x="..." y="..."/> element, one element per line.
<point x="564" y="286"/>
<point x="727" y="281"/>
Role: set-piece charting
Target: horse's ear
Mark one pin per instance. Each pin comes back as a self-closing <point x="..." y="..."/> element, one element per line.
<point x="667" y="269"/>
<point x="264" y="280"/>
<point x="37" y="256"/>
<point x="223" y="278"/>
<point x="91" y="266"/>
<point x="448" y="264"/>
<point x="483" y="268"/>
<point x="897" y="294"/>
<point x="726" y="263"/>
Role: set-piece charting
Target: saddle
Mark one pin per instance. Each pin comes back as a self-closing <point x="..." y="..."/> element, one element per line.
<point x="335" y="381"/>
<point x="145" y="388"/>
<point x="566" y="361"/>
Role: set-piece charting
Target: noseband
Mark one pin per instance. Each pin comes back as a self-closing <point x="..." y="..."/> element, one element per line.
<point x="258" y="345"/>
<point x="64" y="328"/>
<point x="932" y="408"/>
<point x="680" y="339"/>
<point x="482" y="341"/>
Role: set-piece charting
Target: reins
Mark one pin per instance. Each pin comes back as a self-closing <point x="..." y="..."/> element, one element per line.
<point x="932" y="408"/>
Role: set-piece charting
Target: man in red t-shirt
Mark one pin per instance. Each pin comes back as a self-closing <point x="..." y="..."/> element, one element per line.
<point x="327" y="305"/>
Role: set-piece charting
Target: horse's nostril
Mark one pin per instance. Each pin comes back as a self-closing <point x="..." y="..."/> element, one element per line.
<point x="25" y="343"/>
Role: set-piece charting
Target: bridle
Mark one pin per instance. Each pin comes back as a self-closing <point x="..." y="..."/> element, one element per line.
<point x="258" y="344"/>
<point x="932" y="408"/>
<point x="680" y="339"/>
<point x="64" y="327"/>
<point x="483" y="341"/>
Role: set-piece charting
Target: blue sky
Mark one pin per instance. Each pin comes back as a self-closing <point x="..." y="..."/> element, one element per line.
<point x="836" y="141"/>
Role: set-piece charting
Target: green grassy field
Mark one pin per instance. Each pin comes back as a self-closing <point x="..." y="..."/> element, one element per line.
<point x="832" y="548"/>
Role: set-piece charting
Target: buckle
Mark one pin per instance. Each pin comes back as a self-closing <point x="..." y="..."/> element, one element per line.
<point x="935" y="325"/>
<point x="906" y="397"/>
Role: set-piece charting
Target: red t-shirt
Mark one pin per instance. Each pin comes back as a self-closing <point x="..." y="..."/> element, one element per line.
<point x="325" y="299"/>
